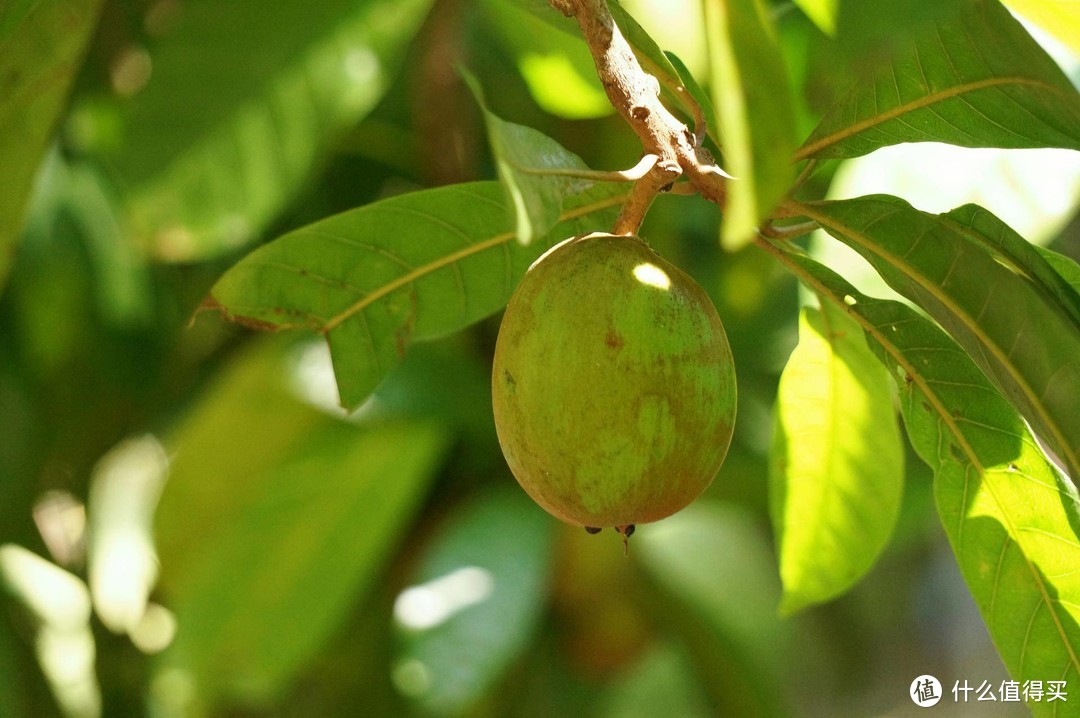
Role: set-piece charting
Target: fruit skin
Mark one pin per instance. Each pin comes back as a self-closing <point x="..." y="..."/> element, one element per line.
<point x="614" y="397"/>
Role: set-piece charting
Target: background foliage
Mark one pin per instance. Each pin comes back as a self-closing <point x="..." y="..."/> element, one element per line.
<point x="191" y="524"/>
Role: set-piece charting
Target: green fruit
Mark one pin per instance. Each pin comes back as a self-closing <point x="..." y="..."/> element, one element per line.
<point x="613" y="384"/>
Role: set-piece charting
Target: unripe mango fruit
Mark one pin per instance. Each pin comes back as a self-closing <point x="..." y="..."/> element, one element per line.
<point x="613" y="384"/>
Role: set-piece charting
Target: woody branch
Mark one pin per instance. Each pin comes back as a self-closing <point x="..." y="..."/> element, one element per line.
<point x="636" y="95"/>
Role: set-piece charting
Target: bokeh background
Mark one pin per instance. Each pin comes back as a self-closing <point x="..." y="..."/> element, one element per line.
<point x="190" y="526"/>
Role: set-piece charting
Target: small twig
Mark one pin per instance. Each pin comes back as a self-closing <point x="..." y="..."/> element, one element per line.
<point x="631" y="175"/>
<point x="807" y="170"/>
<point x="787" y="231"/>
<point x="635" y="94"/>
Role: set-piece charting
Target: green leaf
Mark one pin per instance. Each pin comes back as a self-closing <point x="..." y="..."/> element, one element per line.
<point x="412" y="267"/>
<point x="1028" y="347"/>
<point x="837" y="463"/>
<point x="41" y="49"/>
<point x="474" y="602"/>
<point x="1025" y="259"/>
<point x="275" y="520"/>
<point x="244" y="102"/>
<point x="532" y="168"/>
<point x="977" y="80"/>
<point x="652" y="59"/>
<point x="756" y="117"/>
<point x="557" y="68"/>
<point x="821" y="12"/>
<point x="1010" y="517"/>
<point x="1065" y="267"/>
<point x="707" y="559"/>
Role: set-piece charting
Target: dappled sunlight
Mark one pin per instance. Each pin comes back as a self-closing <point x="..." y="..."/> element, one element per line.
<point x="64" y="643"/>
<point x="430" y="604"/>
<point x="123" y="567"/>
<point x="652" y="275"/>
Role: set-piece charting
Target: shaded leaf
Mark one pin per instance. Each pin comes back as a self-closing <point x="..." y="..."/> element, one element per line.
<point x="529" y="164"/>
<point x="1024" y="258"/>
<point x="977" y="80"/>
<point x="474" y="602"/>
<point x="41" y="49"/>
<point x="274" y="522"/>
<point x="1010" y="517"/>
<point x="244" y="101"/>
<point x="837" y="463"/>
<point x="707" y="559"/>
<point x="412" y="267"/>
<point x="1065" y="267"/>
<point x="1030" y="348"/>
<point x="756" y="117"/>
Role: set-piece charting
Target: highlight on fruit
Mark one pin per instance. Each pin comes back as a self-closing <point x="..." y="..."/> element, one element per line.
<point x="613" y="385"/>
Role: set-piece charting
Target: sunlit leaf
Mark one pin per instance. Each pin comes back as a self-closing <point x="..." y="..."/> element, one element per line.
<point x="474" y="602"/>
<point x="1029" y="347"/>
<point x="243" y="102"/>
<point x="557" y="67"/>
<point x="412" y="267"/>
<point x="274" y="521"/>
<point x="41" y="48"/>
<point x="1066" y="268"/>
<point x="822" y="12"/>
<point x="707" y="559"/>
<point x="1060" y="18"/>
<point x="755" y="114"/>
<point x="837" y="465"/>
<point x="528" y="162"/>
<point x="652" y="59"/>
<point x="977" y="80"/>
<point x="1009" y="515"/>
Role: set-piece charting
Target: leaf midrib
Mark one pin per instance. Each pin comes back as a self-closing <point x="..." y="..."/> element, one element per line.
<point x="946" y="418"/>
<point x="913" y="274"/>
<point x="925" y="101"/>
<point x="448" y="260"/>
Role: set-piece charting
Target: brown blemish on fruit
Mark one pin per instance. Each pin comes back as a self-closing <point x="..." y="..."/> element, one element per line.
<point x="613" y="339"/>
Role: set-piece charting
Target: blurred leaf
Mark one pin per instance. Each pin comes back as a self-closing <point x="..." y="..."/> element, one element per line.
<point x="837" y="464"/>
<point x="1025" y="259"/>
<point x="662" y="682"/>
<point x="756" y="116"/>
<point x="526" y="160"/>
<point x="13" y="693"/>
<point x="977" y="80"/>
<point x="415" y="266"/>
<point x="708" y="559"/>
<point x="1011" y="519"/>
<point x="243" y="101"/>
<point x="475" y="601"/>
<point x="557" y="68"/>
<point x="648" y="53"/>
<point x="1060" y="19"/>
<point x="41" y="48"/>
<point x="1029" y="348"/>
<point x="274" y="523"/>
<point x="821" y="12"/>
